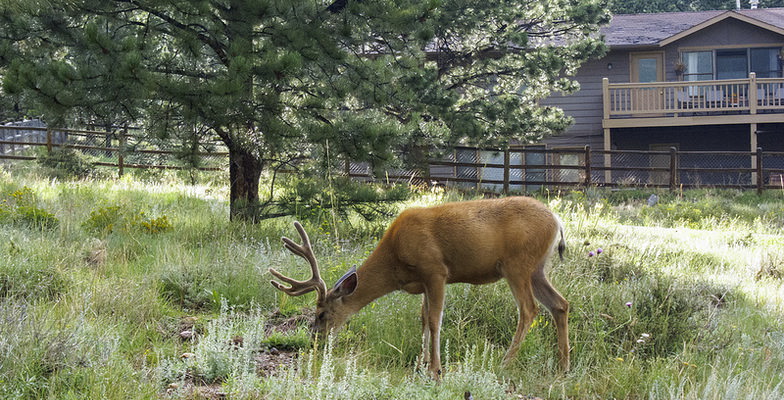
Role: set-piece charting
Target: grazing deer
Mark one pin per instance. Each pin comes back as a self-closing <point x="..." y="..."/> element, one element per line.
<point x="424" y="249"/>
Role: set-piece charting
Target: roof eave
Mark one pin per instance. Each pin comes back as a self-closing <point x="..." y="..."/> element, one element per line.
<point x="646" y="46"/>
<point x="719" y="18"/>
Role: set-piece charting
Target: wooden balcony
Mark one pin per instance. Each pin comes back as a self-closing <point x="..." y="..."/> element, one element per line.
<point x="735" y="101"/>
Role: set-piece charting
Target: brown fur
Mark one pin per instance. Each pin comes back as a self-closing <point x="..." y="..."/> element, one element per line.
<point x="473" y="242"/>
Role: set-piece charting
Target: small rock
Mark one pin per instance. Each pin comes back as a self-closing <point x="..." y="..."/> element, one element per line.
<point x="187" y="355"/>
<point x="273" y="351"/>
<point x="96" y="253"/>
<point x="653" y="200"/>
<point x="187" y="335"/>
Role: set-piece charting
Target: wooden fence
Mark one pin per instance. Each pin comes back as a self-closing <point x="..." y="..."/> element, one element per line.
<point x="526" y="169"/>
<point x="516" y="169"/>
<point x="117" y="149"/>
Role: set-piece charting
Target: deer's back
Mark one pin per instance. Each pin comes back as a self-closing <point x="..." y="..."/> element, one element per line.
<point x="474" y="240"/>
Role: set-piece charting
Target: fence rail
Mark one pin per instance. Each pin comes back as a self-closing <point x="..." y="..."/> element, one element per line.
<point x="119" y="149"/>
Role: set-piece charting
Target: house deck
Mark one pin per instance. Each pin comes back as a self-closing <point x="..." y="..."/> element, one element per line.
<point x="712" y="102"/>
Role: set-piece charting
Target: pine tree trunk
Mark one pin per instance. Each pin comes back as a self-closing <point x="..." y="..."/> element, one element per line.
<point x="244" y="174"/>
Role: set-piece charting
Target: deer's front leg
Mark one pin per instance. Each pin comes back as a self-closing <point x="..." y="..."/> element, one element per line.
<point x="434" y="296"/>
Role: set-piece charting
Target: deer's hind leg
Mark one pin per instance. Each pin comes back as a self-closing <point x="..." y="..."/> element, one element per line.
<point x="520" y="284"/>
<point x="425" y="331"/>
<point x="558" y="307"/>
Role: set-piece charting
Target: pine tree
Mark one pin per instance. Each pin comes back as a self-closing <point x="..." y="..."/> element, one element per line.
<point x="279" y="79"/>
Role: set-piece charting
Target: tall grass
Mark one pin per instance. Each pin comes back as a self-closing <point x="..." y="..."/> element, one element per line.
<point x="683" y="301"/>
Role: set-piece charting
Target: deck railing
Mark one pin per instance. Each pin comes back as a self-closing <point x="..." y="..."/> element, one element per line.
<point x="750" y="96"/>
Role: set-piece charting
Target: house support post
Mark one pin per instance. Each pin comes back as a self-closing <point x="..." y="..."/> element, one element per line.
<point x="607" y="157"/>
<point x="752" y="98"/>
<point x="760" y="180"/>
<point x="753" y="146"/>
<point x="607" y="142"/>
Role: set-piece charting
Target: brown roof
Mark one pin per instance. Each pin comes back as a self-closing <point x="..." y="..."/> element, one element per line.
<point x="653" y="29"/>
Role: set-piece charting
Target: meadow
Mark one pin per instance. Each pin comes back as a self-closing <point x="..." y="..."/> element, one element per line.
<point x="141" y="288"/>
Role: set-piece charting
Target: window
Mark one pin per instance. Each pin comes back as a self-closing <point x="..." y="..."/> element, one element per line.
<point x="699" y="65"/>
<point x="731" y="63"/>
<point x="766" y="62"/>
<point x="568" y="175"/>
<point x="647" y="70"/>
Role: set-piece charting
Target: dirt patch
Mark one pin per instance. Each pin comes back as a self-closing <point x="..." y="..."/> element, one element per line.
<point x="196" y="392"/>
<point x="269" y="362"/>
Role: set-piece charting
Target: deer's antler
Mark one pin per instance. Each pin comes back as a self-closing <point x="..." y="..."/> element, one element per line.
<point x="304" y="250"/>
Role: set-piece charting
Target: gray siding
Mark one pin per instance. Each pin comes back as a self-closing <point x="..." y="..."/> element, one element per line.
<point x="585" y="106"/>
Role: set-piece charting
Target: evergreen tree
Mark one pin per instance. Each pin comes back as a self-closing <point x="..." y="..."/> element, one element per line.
<point x="280" y="79"/>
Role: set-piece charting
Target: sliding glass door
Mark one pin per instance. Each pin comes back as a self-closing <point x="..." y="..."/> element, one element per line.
<point x="732" y="64"/>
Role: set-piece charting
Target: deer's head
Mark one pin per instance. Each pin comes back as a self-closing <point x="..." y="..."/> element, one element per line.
<point x="331" y="311"/>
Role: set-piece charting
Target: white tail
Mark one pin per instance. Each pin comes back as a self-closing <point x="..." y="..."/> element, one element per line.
<point x="425" y="249"/>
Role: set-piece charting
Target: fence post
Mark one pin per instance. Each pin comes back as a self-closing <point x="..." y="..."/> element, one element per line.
<point x="507" y="160"/>
<point x="673" y="168"/>
<point x="425" y="160"/>
<point x="48" y="140"/>
<point x="121" y="154"/>
<point x="760" y="177"/>
<point x="587" y="165"/>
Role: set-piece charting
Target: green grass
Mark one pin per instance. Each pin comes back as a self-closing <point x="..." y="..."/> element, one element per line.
<point x="686" y="300"/>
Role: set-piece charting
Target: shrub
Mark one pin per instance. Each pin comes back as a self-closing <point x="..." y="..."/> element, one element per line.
<point x="23" y="197"/>
<point x="669" y="312"/>
<point x="187" y="287"/>
<point x="7" y="213"/>
<point x="156" y="225"/>
<point x="217" y="355"/>
<point x="103" y="219"/>
<point x="30" y="281"/>
<point x="65" y="163"/>
<point x="50" y="355"/>
<point x="108" y="219"/>
<point x="36" y="217"/>
<point x="22" y="206"/>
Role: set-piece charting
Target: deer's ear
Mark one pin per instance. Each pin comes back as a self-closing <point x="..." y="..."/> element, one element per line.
<point x="347" y="284"/>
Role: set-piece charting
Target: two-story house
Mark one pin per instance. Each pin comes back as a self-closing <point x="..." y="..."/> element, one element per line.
<point x="701" y="81"/>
